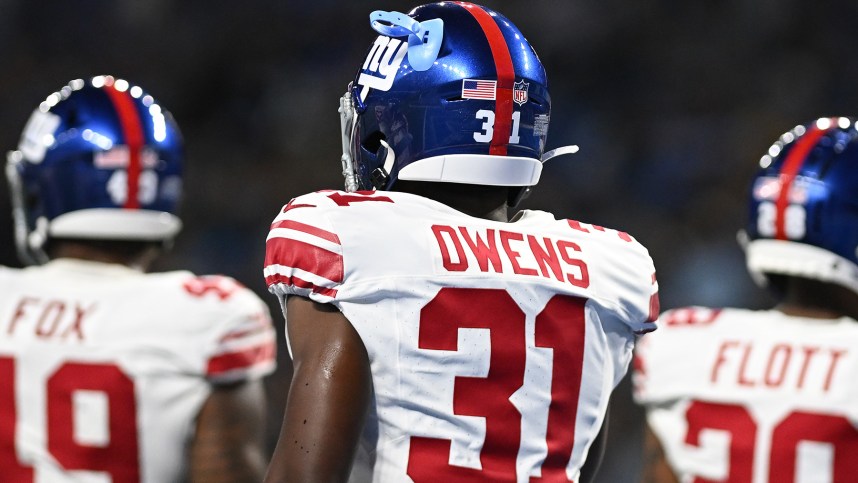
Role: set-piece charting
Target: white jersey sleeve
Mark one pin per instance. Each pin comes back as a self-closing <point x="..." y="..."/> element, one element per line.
<point x="105" y="369"/>
<point x="304" y="255"/>
<point x="758" y="396"/>
<point x="245" y="345"/>
<point x="493" y="346"/>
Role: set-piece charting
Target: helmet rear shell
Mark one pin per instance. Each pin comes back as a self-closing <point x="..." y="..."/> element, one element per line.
<point x="445" y="110"/>
<point x="99" y="159"/>
<point x="806" y="192"/>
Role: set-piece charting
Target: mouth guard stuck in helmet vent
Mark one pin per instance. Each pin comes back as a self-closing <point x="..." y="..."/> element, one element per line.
<point x="424" y="38"/>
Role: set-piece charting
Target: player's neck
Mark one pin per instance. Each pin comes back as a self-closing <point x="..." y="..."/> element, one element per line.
<point x="812" y="299"/>
<point x="477" y="210"/>
<point x="800" y="310"/>
<point x="141" y="259"/>
<point x="487" y="202"/>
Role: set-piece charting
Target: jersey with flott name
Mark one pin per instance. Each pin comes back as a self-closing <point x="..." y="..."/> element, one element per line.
<point x="493" y="346"/>
<point x="753" y="396"/>
<point x="103" y="369"/>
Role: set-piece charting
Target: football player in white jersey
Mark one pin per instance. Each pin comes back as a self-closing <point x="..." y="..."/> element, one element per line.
<point x="770" y="396"/>
<point x="433" y="337"/>
<point x="110" y="373"/>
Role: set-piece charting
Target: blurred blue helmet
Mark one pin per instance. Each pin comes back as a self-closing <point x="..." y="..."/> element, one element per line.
<point x="450" y="92"/>
<point x="98" y="159"/>
<point x="803" y="218"/>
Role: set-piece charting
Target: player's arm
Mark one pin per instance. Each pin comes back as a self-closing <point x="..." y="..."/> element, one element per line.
<point x="655" y="467"/>
<point x="328" y="398"/>
<point x="229" y="442"/>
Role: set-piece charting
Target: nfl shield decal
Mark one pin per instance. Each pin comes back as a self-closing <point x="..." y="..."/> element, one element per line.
<point x="519" y="92"/>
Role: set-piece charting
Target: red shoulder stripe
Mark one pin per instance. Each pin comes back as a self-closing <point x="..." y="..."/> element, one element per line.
<point x="654" y="304"/>
<point x="306" y="257"/>
<point x="308" y="229"/>
<point x="260" y="324"/>
<point x="243" y="359"/>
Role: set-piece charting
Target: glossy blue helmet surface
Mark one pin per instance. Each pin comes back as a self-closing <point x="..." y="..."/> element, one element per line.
<point x="98" y="159"/>
<point x="450" y="92"/>
<point x="803" y="210"/>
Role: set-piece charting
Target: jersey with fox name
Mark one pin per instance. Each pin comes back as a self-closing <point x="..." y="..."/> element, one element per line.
<point x="493" y="346"/>
<point x="104" y="369"/>
<point x="756" y="396"/>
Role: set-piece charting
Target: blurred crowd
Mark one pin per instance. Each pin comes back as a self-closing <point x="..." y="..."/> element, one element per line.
<point x="671" y="102"/>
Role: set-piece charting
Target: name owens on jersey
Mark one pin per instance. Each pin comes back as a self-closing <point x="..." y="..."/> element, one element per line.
<point x="758" y="396"/>
<point x="105" y="369"/>
<point x="470" y="325"/>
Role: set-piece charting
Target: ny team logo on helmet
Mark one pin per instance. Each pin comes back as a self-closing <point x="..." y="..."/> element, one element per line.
<point x="98" y="159"/>
<point x="803" y="210"/>
<point x="450" y="92"/>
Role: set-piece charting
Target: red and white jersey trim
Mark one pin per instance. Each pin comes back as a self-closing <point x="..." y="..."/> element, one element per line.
<point x="248" y="351"/>
<point x="304" y="256"/>
<point x="249" y="362"/>
<point x="305" y="233"/>
<point x="304" y="282"/>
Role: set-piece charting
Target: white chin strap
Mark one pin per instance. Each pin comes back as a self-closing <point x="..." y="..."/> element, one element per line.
<point x="389" y="158"/>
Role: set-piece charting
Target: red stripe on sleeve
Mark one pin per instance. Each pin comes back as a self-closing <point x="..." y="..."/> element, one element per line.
<point x="244" y="359"/>
<point x="309" y="229"/>
<point x="795" y="159"/>
<point x="506" y="77"/>
<point x="297" y="282"/>
<point x="260" y="323"/>
<point x="654" y="304"/>
<point x="132" y="131"/>
<point x="304" y="256"/>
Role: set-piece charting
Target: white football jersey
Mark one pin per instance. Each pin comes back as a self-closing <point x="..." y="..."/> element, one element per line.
<point x="103" y="369"/>
<point x="753" y="396"/>
<point x="494" y="347"/>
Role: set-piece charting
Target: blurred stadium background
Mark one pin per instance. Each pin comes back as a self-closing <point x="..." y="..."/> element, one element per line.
<point x="672" y="103"/>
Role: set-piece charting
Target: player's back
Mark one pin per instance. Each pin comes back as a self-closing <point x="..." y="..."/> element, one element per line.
<point x="104" y="368"/>
<point x="493" y="346"/>
<point x="740" y="395"/>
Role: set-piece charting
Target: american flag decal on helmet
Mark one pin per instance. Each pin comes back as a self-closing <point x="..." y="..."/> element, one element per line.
<point x="519" y="92"/>
<point x="478" y="89"/>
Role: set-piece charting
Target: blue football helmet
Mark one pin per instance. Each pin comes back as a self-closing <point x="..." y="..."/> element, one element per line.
<point x="98" y="159"/>
<point x="450" y="92"/>
<point x="803" y="211"/>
